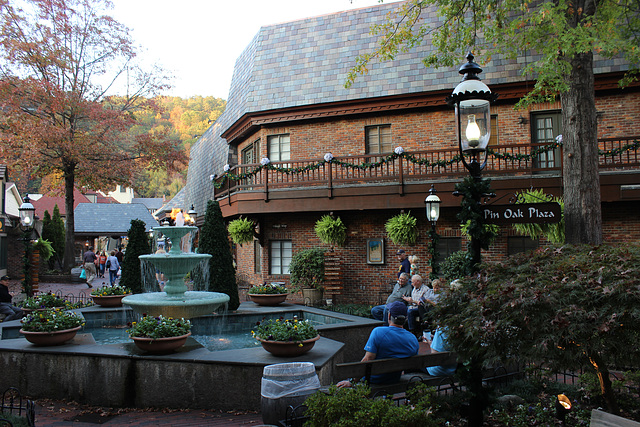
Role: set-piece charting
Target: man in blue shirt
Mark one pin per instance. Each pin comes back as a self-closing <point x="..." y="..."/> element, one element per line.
<point x="405" y="264"/>
<point x="391" y="341"/>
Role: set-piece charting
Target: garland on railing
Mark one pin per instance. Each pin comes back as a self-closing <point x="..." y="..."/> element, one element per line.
<point x="265" y="163"/>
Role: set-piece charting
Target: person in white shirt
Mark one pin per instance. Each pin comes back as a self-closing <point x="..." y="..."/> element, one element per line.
<point x="417" y="293"/>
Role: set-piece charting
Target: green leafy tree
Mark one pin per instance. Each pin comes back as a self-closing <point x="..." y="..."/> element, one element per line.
<point x="553" y="232"/>
<point x="138" y="245"/>
<point x="567" y="308"/>
<point x="214" y="240"/>
<point x="307" y="269"/>
<point x="563" y="38"/>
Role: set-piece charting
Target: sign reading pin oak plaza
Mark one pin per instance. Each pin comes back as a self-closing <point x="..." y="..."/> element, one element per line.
<point x="536" y="213"/>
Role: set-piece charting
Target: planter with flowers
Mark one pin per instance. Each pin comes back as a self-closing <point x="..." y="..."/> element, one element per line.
<point x="286" y="337"/>
<point x="268" y="294"/>
<point x="159" y="335"/>
<point x="110" y="296"/>
<point x="43" y="302"/>
<point x="51" y="326"/>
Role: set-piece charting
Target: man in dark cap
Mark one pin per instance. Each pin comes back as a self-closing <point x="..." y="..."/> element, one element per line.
<point x="389" y="342"/>
<point x="10" y="311"/>
<point x="405" y="264"/>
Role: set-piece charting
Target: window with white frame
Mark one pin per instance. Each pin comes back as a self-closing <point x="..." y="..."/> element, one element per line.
<point x="279" y="148"/>
<point x="280" y="256"/>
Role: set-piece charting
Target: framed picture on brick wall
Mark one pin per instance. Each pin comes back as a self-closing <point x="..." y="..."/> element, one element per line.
<point x="375" y="251"/>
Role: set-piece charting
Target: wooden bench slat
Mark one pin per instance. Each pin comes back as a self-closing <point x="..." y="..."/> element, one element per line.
<point x="384" y="366"/>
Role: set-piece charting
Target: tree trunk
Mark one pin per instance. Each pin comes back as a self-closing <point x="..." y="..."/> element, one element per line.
<point x="581" y="179"/>
<point x="70" y="237"/>
<point x="605" y="383"/>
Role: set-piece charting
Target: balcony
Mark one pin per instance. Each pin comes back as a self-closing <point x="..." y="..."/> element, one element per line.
<point x="392" y="181"/>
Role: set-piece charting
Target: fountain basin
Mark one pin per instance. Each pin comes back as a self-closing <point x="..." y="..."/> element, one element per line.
<point x="188" y="305"/>
<point x="121" y="375"/>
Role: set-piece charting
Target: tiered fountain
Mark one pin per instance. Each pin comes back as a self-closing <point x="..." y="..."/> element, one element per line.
<point x="176" y="300"/>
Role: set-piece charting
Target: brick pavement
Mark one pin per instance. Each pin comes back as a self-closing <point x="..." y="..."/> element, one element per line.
<point x="57" y="413"/>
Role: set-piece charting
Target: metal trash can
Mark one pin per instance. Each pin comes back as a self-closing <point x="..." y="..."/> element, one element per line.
<point x="284" y="385"/>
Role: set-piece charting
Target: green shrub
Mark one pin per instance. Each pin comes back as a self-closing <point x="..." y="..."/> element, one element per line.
<point x="455" y="266"/>
<point x="307" y="269"/>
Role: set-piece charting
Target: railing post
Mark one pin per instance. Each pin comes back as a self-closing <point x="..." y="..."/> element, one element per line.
<point x="330" y="181"/>
<point x="265" y="171"/>
<point x="400" y="177"/>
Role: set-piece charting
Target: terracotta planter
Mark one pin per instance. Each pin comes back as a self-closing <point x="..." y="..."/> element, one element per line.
<point x="160" y="345"/>
<point x="50" y="338"/>
<point x="108" y="300"/>
<point x="268" y="299"/>
<point x="288" y="348"/>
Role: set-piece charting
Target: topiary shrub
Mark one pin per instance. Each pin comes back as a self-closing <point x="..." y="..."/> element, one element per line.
<point x="402" y="229"/>
<point x="138" y="245"/>
<point x="214" y="240"/>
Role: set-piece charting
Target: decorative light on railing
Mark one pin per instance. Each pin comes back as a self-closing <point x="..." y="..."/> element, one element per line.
<point x="226" y="167"/>
<point x="399" y="150"/>
<point x="328" y="157"/>
<point x="559" y="139"/>
<point x="265" y="161"/>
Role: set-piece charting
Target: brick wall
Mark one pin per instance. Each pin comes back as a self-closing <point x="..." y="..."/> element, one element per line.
<point x="367" y="283"/>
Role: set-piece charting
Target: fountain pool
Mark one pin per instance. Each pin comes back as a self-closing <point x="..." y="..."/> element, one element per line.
<point x="120" y="375"/>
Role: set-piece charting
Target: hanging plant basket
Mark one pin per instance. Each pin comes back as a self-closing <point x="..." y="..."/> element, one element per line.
<point x="241" y="230"/>
<point x="331" y="231"/>
<point x="402" y="229"/>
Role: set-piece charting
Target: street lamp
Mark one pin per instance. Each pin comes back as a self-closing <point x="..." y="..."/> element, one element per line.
<point x="472" y="100"/>
<point x="432" y="204"/>
<point x="27" y="219"/>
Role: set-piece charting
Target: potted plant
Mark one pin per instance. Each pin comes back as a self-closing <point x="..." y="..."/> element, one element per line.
<point x="110" y="296"/>
<point x="241" y="230"/>
<point x="51" y="326"/>
<point x="43" y="302"/>
<point x="402" y="229"/>
<point x="268" y="294"/>
<point x="331" y="230"/>
<point x="307" y="273"/>
<point x="286" y="337"/>
<point x="159" y="335"/>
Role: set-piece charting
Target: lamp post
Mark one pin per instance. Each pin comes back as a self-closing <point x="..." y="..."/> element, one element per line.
<point x="472" y="100"/>
<point x="192" y="214"/>
<point x="27" y="218"/>
<point x="432" y="204"/>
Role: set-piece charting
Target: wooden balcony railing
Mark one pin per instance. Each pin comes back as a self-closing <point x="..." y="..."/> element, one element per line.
<point x="368" y="170"/>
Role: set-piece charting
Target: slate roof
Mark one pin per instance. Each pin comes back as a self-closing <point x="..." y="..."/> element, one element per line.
<point x="104" y="219"/>
<point x="152" y="203"/>
<point x="306" y="62"/>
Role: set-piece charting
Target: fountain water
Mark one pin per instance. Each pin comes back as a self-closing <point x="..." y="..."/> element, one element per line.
<point x="176" y="300"/>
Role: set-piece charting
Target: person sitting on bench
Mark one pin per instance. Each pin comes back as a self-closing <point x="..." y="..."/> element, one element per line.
<point x="391" y="341"/>
<point x="438" y="345"/>
<point x="401" y="289"/>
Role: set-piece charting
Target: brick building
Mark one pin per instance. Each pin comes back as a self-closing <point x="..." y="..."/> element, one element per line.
<point x="287" y="103"/>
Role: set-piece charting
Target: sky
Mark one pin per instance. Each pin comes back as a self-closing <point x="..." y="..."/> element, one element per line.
<point x="198" y="41"/>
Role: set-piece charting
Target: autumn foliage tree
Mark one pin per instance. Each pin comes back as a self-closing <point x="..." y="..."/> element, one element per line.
<point x="59" y="63"/>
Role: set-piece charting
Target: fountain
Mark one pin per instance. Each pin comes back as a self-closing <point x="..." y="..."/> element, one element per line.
<point x="176" y="300"/>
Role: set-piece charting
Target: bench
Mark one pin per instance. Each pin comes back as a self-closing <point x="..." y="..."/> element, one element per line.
<point x="412" y="367"/>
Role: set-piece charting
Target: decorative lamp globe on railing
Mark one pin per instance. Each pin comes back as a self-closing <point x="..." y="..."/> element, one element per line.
<point x="27" y="214"/>
<point x="472" y="100"/>
<point x="192" y="214"/>
<point x="432" y="203"/>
